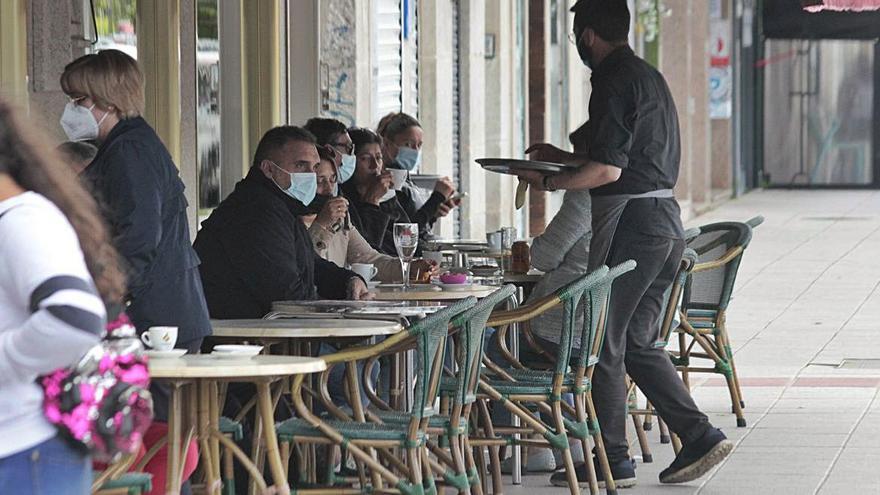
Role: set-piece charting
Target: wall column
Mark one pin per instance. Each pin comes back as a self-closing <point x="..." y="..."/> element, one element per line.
<point x="261" y="24"/>
<point x="305" y="19"/>
<point x="500" y="108"/>
<point x="472" y="59"/>
<point x="13" y="52"/>
<point x="435" y="88"/>
<point x="539" y="101"/>
<point x="675" y="64"/>
<point x="159" y="57"/>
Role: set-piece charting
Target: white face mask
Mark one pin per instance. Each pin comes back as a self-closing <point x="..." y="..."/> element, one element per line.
<point x="78" y="122"/>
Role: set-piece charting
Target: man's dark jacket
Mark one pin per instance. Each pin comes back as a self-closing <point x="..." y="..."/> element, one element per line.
<point x="141" y="195"/>
<point x="255" y="250"/>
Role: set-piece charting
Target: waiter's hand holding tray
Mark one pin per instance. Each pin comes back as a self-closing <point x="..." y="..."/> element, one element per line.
<point x="510" y="166"/>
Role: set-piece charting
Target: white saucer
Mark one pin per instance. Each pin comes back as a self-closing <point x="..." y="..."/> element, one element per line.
<point x="373" y="284"/>
<point x="234" y="355"/>
<point x="171" y="353"/>
<point x="237" y="350"/>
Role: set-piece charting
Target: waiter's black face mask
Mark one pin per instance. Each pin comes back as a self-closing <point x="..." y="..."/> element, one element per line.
<point x="585" y="52"/>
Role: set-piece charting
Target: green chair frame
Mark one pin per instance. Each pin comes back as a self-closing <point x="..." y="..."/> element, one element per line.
<point x="364" y="440"/>
<point x="520" y="389"/>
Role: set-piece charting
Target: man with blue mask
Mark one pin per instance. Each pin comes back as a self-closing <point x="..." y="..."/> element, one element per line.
<point x="254" y="248"/>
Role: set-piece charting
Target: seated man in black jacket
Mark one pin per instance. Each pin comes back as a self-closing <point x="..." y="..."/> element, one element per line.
<point x="254" y="248"/>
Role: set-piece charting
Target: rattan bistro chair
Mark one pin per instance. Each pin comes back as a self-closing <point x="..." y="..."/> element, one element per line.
<point x="458" y="390"/>
<point x="362" y="439"/>
<point x="520" y="390"/>
<point x="707" y="293"/>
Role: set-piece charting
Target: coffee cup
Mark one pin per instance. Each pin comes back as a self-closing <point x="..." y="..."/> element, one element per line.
<point x="160" y="338"/>
<point x="398" y="178"/>
<point x="366" y="270"/>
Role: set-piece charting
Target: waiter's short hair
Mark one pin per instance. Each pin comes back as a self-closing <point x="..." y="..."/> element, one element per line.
<point x="325" y="130"/>
<point x="608" y="18"/>
<point x="277" y="137"/>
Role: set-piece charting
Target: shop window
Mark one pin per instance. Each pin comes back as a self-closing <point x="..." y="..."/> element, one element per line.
<point x="115" y="25"/>
<point x="208" y="105"/>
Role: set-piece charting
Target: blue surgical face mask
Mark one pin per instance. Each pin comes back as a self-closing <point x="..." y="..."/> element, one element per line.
<point x="409" y="159"/>
<point x="346" y="168"/>
<point x="303" y="185"/>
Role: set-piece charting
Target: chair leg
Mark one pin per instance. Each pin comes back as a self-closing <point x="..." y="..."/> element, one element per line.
<point x="648" y="423"/>
<point x="228" y="473"/>
<point x="471" y="466"/>
<point x="728" y="350"/>
<point x="676" y="444"/>
<point x="664" y="431"/>
<point x="610" y="486"/>
<point x="643" y="438"/>
<point x="683" y="355"/>
<point x="456" y="447"/>
<point x="479" y="456"/>
<point x="413" y="456"/>
<point x="428" y="483"/>
<point x="494" y="461"/>
<point x="559" y="428"/>
<point x="584" y="419"/>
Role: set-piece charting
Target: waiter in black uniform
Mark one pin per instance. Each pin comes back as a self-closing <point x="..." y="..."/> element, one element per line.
<point x="631" y="166"/>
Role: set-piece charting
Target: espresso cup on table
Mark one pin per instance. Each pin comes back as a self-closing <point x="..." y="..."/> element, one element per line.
<point x="366" y="270"/>
<point x="160" y="338"/>
<point x="398" y="178"/>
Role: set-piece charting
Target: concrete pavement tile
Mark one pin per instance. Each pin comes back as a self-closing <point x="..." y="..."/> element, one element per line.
<point x="792" y="438"/>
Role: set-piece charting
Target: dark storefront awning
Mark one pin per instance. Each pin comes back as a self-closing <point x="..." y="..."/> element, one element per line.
<point x="841" y="5"/>
<point x="789" y="19"/>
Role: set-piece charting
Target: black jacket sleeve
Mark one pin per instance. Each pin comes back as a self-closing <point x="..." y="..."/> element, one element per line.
<point x="427" y="214"/>
<point x="331" y="280"/>
<point x="372" y="223"/>
<point x="132" y="193"/>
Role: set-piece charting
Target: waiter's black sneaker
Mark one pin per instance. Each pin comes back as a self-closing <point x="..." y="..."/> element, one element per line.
<point x="624" y="473"/>
<point x="697" y="458"/>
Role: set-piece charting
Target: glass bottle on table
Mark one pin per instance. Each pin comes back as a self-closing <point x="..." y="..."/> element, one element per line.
<point x="406" y="240"/>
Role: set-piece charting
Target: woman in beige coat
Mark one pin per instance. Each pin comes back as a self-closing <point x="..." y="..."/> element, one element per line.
<point x="336" y="240"/>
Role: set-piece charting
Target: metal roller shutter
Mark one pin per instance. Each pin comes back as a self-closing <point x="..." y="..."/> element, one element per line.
<point x="387" y="58"/>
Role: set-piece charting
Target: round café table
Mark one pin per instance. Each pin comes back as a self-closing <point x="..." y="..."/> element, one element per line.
<point x="427" y="292"/>
<point x="195" y="406"/>
<point x="304" y="328"/>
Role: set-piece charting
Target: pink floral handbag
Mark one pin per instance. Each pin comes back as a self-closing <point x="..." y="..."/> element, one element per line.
<point x="103" y="402"/>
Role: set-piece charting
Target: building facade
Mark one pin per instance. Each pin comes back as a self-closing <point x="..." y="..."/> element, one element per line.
<point x="484" y="77"/>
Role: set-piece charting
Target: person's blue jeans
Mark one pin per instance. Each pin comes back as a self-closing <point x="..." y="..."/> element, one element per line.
<point x="50" y="468"/>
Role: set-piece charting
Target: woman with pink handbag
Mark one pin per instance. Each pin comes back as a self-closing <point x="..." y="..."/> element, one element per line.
<point x="57" y="271"/>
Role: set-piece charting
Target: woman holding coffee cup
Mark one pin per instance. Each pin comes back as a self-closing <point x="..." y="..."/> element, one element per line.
<point x="344" y="245"/>
<point x="374" y="207"/>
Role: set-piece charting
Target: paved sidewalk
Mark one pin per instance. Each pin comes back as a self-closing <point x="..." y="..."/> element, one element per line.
<point x="806" y="299"/>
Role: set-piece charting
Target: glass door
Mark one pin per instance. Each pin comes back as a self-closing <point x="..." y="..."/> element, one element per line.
<point x="819" y="113"/>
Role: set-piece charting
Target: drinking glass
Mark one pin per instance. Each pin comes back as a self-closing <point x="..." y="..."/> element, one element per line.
<point x="406" y="240"/>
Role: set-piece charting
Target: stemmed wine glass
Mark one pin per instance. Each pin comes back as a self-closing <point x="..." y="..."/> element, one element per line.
<point x="406" y="240"/>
